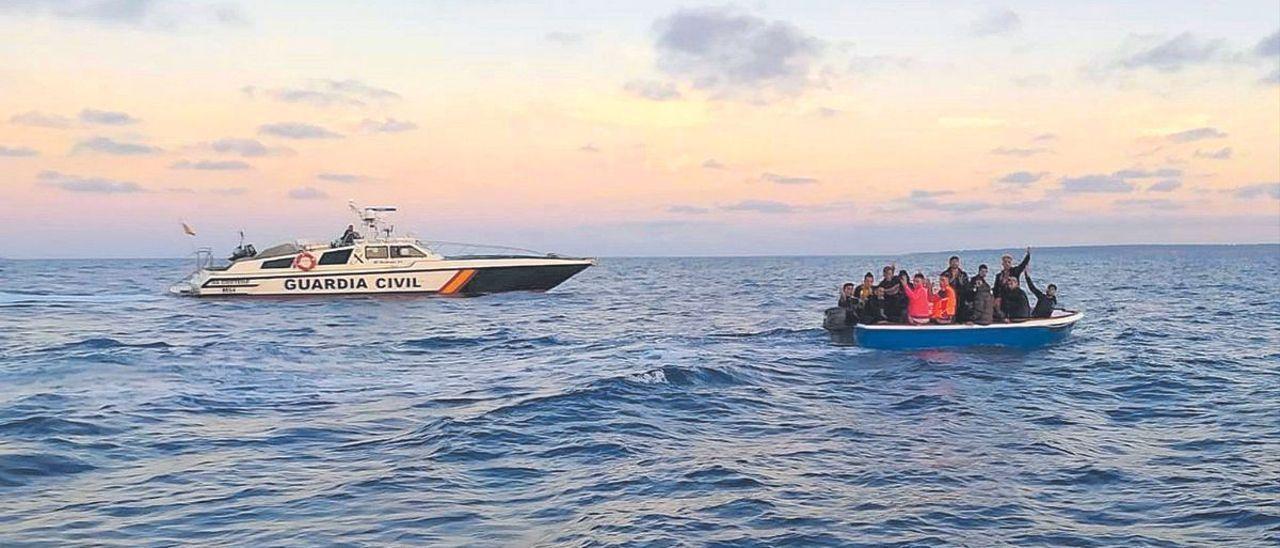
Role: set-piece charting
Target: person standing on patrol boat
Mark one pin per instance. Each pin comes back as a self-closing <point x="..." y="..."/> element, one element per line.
<point x="349" y="237"/>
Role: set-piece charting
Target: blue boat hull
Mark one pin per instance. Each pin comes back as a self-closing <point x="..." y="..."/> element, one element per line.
<point x="1029" y="334"/>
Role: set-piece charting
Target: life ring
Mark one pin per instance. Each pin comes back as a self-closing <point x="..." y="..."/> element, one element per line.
<point x="304" y="261"/>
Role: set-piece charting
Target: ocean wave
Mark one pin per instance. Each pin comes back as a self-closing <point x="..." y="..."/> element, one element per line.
<point x="25" y="468"/>
<point x="635" y="406"/>
<point x="106" y="343"/>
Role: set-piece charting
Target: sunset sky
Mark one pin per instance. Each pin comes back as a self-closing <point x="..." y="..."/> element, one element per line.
<point x="639" y="128"/>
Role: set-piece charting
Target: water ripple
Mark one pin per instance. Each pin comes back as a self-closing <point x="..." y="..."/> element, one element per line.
<point x="646" y="402"/>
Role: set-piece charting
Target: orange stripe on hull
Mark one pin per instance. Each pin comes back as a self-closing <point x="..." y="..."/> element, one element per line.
<point x="458" y="281"/>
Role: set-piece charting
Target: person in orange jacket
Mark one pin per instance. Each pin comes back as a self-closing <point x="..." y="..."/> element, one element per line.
<point x="943" y="301"/>
<point x="917" y="296"/>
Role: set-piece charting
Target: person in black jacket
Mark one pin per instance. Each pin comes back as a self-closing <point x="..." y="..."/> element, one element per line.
<point x="846" y="297"/>
<point x="1008" y="270"/>
<point x="349" y="236"/>
<point x="1046" y="302"/>
<point x="1013" y="304"/>
<point x="894" y="303"/>
<point x="872" y="311"/>
<point x="960" y="284"/>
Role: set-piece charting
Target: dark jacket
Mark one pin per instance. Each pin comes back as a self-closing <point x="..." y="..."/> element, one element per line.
<point x="1015" y="271"/>
<point x="1044" y="303"/>
<point x="964" y="299"/>
<point x="1013" y="304"/>
<point x="959" y="278"/>
<point x="895" y="303"/>
<point x="982" y="309"/>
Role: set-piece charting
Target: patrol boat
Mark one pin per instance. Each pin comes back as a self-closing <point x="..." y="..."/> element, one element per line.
<point x="380" y="264"/>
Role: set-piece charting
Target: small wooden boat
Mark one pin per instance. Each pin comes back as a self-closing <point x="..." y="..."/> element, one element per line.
<point x="1028" y="333"/>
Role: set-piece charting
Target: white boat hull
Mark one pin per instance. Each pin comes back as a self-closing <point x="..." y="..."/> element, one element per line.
<point x="439" y="277"/>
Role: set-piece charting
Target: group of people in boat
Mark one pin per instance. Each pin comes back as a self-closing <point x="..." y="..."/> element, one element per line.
<point x="955" y="298"/>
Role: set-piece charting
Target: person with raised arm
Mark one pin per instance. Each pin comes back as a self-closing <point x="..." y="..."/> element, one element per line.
<point x="1007" y="269"/>
<point x="917" y="296"/>
<point x="1046" y="301"/>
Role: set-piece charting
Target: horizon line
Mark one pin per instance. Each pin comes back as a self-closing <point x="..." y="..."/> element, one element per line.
<point x="733" y="256"/>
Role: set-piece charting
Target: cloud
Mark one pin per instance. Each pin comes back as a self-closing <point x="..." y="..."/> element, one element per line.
<point x="928" y="199"/>
<point x="1022" y="178"/>
<point x="589" y="148"/>
<point x="297" y="130"/>
<point x="786" y="180"/>
<point x="344" y="178"/>
<point x="996" y="22"/>
<point x="1223" y="153"/>
<point x="1147" y="174"/>
<point x="712" y="163"/>
<point x="1196" y="134"/>
<point x="760" y="206"/>
<point x="106" y="118"/>
<point x="727" y="52"/>
<point x="826" y="112"/>
<point x="652" y="90"/>
<point x="1096" y="184"/>
<point x="326" y="93"/>
<point x="230" y="191"/>
<point x="134" y="13"/>
<point x="1167" y="185"/>
<point x="1257" y="190"/>
<point x="928" y="194"/>
<point x="248" y="148"/>
<point x="1044" y="137"/>
<point x="211" y="165"/>
<point x="18" y="152"/>
<point x="687" y="210"/>
<point x="95" y="185"/>
<point x="1149" y="203"/>
<point x="106" y="145"/>
<point x="307" y="193"/>
<point x="387" y="125"/>
<point x="1173" y="55"/>
<point x="38" y="119"/>
<point x="1269" y="46"/>
<point x="1019" y="152"/>
<point x="564" y="38"/>
<point x="954" y="207"/>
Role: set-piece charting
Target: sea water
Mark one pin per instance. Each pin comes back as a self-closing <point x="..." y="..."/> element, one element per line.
<point x="645" y="401"/>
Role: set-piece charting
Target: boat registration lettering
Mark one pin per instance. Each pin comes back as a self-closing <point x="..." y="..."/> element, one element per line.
<point x="229" y="281"/>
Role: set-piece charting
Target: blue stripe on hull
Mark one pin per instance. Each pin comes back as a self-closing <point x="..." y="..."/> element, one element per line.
<point x="907" y="339"/>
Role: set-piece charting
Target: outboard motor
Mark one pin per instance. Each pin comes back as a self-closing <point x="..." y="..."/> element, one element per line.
<point x="839" y="322"/>
<point x="836" y="319"/>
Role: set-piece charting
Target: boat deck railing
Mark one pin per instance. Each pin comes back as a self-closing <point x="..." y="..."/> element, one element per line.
<point x="463" y="250"/>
